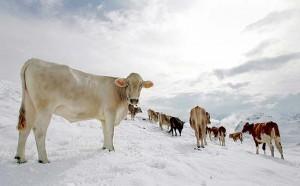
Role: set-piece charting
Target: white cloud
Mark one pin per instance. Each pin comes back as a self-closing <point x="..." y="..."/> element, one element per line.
<point x="174" y="43"/>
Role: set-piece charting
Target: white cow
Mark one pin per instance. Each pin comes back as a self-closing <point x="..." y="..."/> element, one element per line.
<point x="50" y="88"/>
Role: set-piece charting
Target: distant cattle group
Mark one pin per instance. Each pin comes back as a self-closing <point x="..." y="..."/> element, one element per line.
<point x="49" y="88"/>
<point x="172" y="124"/>
<point x="263" y="133"/>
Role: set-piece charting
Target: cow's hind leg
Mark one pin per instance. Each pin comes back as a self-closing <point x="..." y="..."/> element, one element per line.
<point x="264" y="147"/>
<point x="171" y="130"/>
<point x="271" y="147"/>
<point x="197" y="136"/>
<point x="257" y="147"/>
<point x="40" y="127"/>
<point x="279" y="146"/>
<point x="160" y="125"/>
<point x="23" y="134"/>
<point x="201" y="136"/>
<point x="27" y="117"/>
<point x="204" y="135"/>
<point x="223" y="139"/>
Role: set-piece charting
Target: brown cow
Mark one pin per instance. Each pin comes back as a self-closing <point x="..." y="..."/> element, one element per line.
<point x="164" y="120"/>
<point x="199" y="119"/>
<point x="133" y="110"/>
<point x="236" y="136"/>
<point x="222" y="134"/>
<point x="265" y="133"/>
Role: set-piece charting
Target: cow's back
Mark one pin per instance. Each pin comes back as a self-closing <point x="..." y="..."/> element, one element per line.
<point x="198" y="116"/>
<point x="73" y="94"/>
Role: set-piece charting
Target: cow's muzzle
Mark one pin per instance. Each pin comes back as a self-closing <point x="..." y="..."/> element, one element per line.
<point x="134" y="101"/>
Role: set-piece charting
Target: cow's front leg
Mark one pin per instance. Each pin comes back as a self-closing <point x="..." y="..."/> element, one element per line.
<point x="105" y="137"/>
<point x="256" y="144"/>
<point x="109" y="131"/>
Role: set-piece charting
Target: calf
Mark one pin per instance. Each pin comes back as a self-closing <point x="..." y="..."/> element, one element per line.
<point x="265" y="133"/>
<point x="236" y="136"/>
<point x="133" y="110"/>
<point x="199" y="119"/>
<point x="176" y="123"/>
<point x="222" y="134"/>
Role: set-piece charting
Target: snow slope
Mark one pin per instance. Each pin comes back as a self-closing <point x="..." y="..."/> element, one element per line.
<point x="144" y="155"/>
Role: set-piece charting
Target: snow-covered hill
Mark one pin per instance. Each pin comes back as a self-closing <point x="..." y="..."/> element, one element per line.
<point x="144" y="154"/>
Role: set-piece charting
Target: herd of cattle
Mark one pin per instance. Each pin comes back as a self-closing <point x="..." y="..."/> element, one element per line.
<point x="199" y="119"/>
<point x="262" y="133"/>
<point x="49" y="88"/>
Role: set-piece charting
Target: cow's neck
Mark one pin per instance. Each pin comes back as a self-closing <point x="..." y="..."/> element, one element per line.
<point x="122" y="93"/>
<point x="251" y="130"/>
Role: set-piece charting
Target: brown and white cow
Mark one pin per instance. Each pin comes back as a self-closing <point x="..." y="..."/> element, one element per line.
<point x="164" y="120"/>
<point x="213" y="131"/>
<point x="222" y="135"/>
<point x="265" y="133"/>
<point x="49" y="88"/>
<point x="236" y="136"/>
<point x="133" y="110"/>
<point x="199" y="119"/>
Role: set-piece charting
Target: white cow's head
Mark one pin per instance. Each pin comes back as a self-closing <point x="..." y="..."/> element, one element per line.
<point x="133" y="84"/>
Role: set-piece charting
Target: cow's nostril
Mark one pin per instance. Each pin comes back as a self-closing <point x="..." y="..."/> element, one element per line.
<point x="134" y="101"/>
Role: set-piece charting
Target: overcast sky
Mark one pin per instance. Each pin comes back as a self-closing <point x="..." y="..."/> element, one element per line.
<point x="227" y="56"/>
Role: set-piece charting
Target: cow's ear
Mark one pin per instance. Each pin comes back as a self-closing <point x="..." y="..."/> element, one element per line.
<point x="147" y="84"/>
<point x="121" y="82"/>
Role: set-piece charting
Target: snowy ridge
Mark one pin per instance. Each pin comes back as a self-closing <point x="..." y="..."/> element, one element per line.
<point x="144" y="154"/>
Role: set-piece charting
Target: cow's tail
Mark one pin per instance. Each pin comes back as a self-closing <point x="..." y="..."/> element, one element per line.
<point x="22" y="118"/>
<point x="276" y="136"/>
<point x="258" y="140"/>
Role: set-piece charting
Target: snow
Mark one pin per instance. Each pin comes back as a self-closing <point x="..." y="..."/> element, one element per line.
<point x="144" y="155"/>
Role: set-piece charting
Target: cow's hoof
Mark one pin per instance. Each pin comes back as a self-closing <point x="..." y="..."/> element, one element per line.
<point x="20" y="161"/>
<point x="111" y="150"/>
<point x="44" y="162"/>
<point x="17" y="157"/>
<point x="203" y="147"/>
